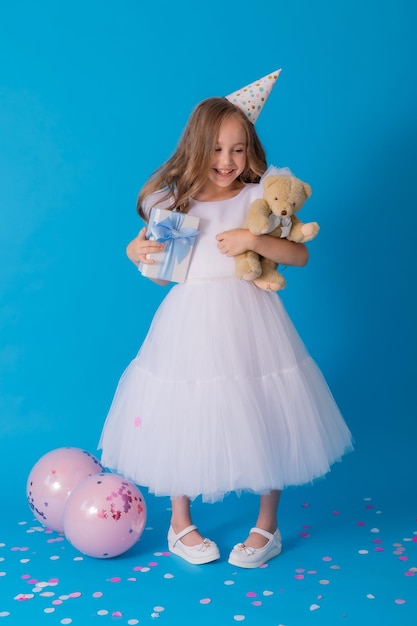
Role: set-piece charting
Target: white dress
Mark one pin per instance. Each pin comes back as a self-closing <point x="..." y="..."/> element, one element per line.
<point x="223" y="395"/>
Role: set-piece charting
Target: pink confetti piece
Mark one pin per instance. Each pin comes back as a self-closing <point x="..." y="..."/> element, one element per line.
<point x="251" y="594"/>
<point x="336" y="512"/>
<point x="75" y="594"/>
<point x="400" y="601"/>
<point x="409" y="573"/>
<point x="205" y="600"/>
<point x="403" y="558"/>
<point x="305" y="505"/>
<point x="304" y="535"/>
<point x="327" y="558"/>
<point x="360" y="523"/>
<point x="256" y="603"/>
<point x="299" y="576"/>
<point x="117" y="614"/>
<point x="153" y="564"/>
<point x="115" y="579"/>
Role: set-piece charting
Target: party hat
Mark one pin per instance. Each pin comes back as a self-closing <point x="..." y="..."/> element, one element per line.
<point x="252" y="98"/>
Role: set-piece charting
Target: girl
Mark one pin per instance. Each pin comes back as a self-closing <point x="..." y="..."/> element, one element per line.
<point x="222" y="395"/>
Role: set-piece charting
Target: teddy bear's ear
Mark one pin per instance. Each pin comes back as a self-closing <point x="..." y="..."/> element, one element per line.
<point x="269" y="180"/>
<point x="307" y="189"/>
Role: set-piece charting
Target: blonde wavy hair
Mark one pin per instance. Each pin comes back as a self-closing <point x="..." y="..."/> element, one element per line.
<point x="184" y="174"/>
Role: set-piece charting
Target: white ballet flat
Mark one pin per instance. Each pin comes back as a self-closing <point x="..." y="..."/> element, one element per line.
<point x="203" y="552"/>
<point x="245" y="556"/>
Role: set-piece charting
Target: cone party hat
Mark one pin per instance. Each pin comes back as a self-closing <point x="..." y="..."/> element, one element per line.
<point x="252" y="98"/>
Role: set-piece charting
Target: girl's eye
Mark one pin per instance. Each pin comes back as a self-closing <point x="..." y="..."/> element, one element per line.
<point x="217" y="149"/>
<point x="239" y="150"/>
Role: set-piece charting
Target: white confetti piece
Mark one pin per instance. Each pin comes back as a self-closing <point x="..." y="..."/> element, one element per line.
<point x="370" y="596"/>
<point x="49" y="610"/>
<point x="4" y="614"/>
<point x="66" y="620"/>
<point x="132" y="622"/>
<point x="314" y="607"/>
<point x="102" y="612"/>
<point x="267" y="593"/>
<point x="363" y="552"/>
<point x="229" y="582"/>
<point x="239" y="618"/>
<point x="375" y="530"/>
<point x="158" y="609"/>
<point x="168" y="575"/>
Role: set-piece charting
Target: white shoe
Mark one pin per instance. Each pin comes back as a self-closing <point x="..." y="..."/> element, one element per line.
<point x="245" y="556"/>
<point x="203" y="552"/>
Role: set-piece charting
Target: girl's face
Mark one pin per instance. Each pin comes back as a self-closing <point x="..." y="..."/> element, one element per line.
<point x="229" y="157"/>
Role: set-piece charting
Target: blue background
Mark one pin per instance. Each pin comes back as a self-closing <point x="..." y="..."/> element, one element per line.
<point x="94" y="96"/>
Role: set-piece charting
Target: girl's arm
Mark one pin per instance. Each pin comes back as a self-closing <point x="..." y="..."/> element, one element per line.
<point x="281" y="251"/>
<point x="138" y="249"/>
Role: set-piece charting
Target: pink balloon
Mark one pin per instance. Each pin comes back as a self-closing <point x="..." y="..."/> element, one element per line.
<point x="104" y="516"/>
<point x="53" y="478"/>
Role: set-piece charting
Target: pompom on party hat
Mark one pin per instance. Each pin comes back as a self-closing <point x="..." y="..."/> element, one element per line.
<point x="252" y="98"/>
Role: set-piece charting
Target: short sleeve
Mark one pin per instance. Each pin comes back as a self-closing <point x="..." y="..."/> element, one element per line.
<point x="275" y="171"/>
<point x="156" y="198"/>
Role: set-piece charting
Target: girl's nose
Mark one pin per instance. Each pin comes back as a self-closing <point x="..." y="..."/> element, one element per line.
<point x="226" y="158"/>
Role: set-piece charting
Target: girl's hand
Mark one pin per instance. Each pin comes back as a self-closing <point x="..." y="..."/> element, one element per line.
<point x="235" y="241"/>
<point x="138" y="249"/>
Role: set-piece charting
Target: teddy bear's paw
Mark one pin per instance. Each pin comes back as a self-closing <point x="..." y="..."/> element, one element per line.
<point x="273" y="284"/>
<point x="309" y="230"/>
<point x="250" y="275"/>
<point x="260" y="227"/>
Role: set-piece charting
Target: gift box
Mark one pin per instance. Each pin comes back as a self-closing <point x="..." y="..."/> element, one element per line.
<point x="177" y="231"/>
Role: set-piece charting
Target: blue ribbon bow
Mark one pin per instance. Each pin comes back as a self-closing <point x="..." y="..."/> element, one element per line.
<point x="177" y="240"/>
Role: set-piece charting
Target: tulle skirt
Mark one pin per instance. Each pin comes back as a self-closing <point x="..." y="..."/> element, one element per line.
<point x="222" y="396"/>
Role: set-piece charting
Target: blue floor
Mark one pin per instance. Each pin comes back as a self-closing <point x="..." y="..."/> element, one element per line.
<point x="349" y="557"/>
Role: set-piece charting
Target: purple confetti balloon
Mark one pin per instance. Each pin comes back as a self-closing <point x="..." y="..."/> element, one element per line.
<point x="104" y="516"/>
<point x="53" y="478"/>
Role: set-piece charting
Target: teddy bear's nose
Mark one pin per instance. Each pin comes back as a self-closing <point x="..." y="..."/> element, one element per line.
<point x="284" y="212"/>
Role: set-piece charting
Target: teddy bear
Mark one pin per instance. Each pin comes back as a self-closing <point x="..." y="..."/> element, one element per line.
<point x="274" y="214"/>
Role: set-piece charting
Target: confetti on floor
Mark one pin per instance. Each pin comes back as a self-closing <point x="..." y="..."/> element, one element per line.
<point x="357" y="567"/>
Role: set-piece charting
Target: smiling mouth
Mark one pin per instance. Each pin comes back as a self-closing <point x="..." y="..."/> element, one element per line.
<point x="223" y="172"/>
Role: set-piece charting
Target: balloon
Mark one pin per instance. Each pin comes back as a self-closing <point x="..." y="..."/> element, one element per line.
<point x="53" y="478"/>
<point x="104" y="516"/>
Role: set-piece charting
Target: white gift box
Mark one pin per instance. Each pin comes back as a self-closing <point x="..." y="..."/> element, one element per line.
<point x="177" y="231"/>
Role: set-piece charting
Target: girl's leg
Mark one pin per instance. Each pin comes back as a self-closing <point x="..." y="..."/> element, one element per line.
<point x="267" y="519"/>
<point x="181" y="518"/>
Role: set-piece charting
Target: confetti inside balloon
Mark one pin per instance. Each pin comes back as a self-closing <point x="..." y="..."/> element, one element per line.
<point x="53" y="478"/>
<point x="104" y="516"/>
